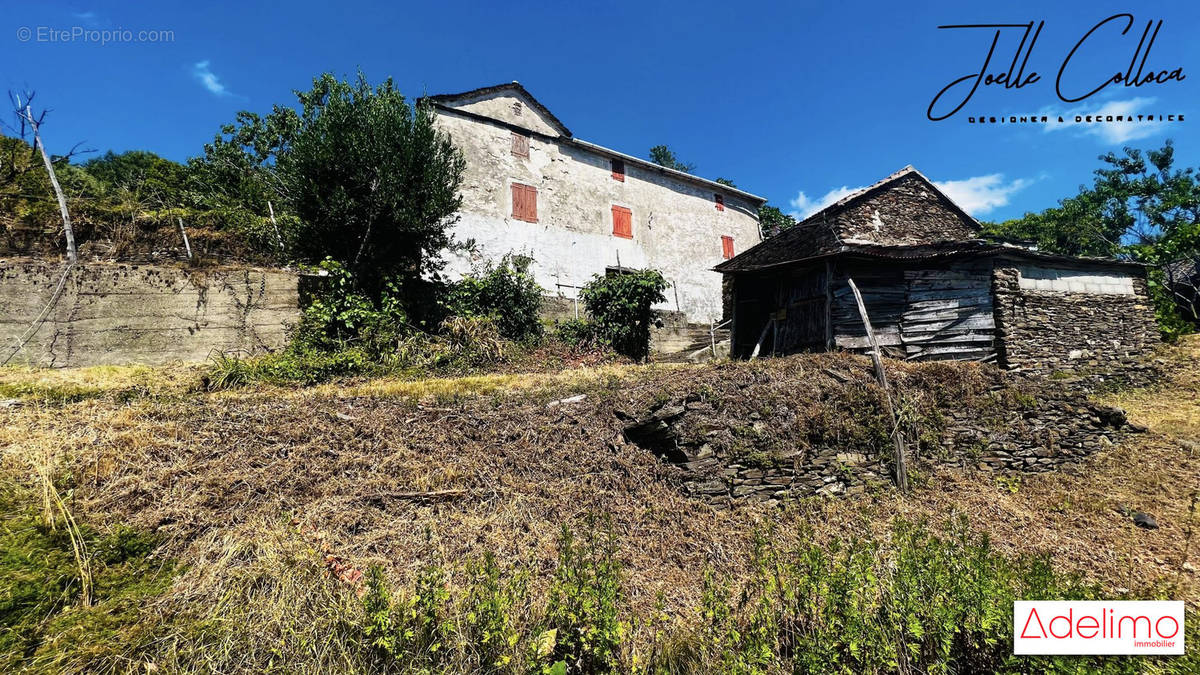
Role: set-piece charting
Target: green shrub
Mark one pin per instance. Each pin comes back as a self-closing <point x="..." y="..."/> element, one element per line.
<point x="340" y="315"/>
<point x="415" y="631"/>
<point x="620" y="305"/>
<point x="506" y="292"/>
<point x="489" y="629"/>
<point x="585" y="600"/>
<point x="298" y="365"/>
<point x="579" y="334"/>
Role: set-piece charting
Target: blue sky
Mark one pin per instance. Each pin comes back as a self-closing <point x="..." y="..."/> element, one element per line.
<point x="794" y="101"/>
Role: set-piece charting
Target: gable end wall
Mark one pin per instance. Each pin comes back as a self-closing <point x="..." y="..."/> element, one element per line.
<point x="907" y="211"/>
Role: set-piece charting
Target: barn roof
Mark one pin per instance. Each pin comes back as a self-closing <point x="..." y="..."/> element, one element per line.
<point x="945" y="250"/>
<point x="818" y="237"/>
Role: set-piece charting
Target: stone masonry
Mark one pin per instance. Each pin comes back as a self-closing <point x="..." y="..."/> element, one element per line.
<point x="1049" y="426"/>
<point x="1050" y="325"/>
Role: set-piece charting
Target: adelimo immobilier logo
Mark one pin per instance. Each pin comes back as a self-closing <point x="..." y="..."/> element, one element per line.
<point x="1098" y="627"/>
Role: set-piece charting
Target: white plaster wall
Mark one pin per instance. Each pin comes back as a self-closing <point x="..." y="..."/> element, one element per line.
<point x="676" y="226"/>
<point x="501" y="107"/>
<point x="1038" y="278"/>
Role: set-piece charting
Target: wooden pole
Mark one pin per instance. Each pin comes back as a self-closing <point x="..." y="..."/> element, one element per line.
<point x="275" y="225"/>
<point x="186" y="246"/>
<point x="897" y="436"/>
<point x="62" y="200"/>
<point x="762" y="336"/>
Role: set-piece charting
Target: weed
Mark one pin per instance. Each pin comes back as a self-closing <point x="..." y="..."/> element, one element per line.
<point x="584" y="601"/>
<point x="1010" y="484"/>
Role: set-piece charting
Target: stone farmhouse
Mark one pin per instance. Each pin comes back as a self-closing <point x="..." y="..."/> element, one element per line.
<point x="933" y="289"/>
<point x="580" y="209"/>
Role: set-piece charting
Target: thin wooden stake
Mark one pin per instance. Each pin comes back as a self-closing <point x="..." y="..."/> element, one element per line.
<point x="186" y="246"/>
<point x="761" y="337"/>
<point x="62" y="200"/>
<point x="275" y="225"/>
<point x="897" y="436"/>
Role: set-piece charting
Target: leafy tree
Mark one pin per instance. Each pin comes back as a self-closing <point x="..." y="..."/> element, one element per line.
<point x="365" y="176"/>
<point x="1139" y="207"/>
<point x="141" y="173"/>
<point x="238" y="166"/>
<point x="772" y="221"/>
<point x="620" y="308"/>
<point x="664" y="156"/>
<point x="373" y="182"/>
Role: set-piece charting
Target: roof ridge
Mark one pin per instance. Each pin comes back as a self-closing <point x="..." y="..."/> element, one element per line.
<point x="512" y="86"/>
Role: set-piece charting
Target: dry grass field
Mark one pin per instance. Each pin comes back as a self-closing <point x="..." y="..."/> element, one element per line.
<point x="265" y="502"/>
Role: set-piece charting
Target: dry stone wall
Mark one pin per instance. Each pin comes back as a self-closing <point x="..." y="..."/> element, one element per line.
<point x="1046" y="328"/>
<point x="110" y="314"/>
<point x="1043" y="426"/>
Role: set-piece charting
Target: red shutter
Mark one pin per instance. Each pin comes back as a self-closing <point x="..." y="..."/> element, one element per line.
<point x="727" y="246"/>
<point x="622" y="222"/>
<point x="524" y="199"/>
<point x="720" y="201"/>
<point x="618" y="169"/>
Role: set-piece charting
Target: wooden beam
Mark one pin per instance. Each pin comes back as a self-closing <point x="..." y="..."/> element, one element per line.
<point x="829" y="305"/>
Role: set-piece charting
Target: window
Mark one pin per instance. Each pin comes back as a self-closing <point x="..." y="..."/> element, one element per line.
<point x="618" y="169"/>
<point x="524" y="198"/>
<point x="622" y="222"/>
<point x="727" y="246"/>
<point x="720" y="199"/>
<point x="516" y="108"/>
<point x="520" y="145"/>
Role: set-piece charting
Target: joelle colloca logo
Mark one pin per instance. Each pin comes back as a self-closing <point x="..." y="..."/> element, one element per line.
<point x="1114" y="35"/>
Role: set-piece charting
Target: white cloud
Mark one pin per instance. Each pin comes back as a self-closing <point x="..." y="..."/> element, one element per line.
<point x="980" y="195"/>
<point x="977" y="195"/>
<point x="803" y="207"/>
<point x="208" y="79"/>
<point x="1110" y="133"/>
<point x="90" y="19"/>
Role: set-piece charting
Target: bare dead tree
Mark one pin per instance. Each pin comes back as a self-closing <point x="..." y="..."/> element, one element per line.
<point x="33" y="124"/>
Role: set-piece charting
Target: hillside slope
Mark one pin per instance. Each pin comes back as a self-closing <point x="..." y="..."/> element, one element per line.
<point x="407" y="474"/>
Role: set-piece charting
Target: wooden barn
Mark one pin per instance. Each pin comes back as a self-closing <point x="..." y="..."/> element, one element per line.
<point x="933" y="289"/>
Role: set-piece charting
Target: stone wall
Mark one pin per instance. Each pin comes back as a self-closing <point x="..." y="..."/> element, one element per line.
<point x="150" y="314"/>
<point x="1071" y="321"/>
<point x="907" y="211"/>
<point x="1040" y="426"/>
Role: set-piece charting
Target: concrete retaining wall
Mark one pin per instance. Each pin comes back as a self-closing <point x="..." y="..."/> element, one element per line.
<point x="150" y="314"/>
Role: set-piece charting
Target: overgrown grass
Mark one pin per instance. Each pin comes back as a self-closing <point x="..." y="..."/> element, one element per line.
<point x="43" y="625"/>
<point x="922" y="599"/>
